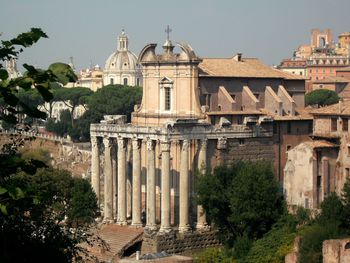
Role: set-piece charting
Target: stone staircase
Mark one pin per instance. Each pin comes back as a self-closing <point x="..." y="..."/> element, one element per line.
<point x="117" y="239"/>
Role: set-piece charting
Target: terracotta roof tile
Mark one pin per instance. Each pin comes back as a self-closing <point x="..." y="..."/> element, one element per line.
<point x="247" y="67"/>
<point x="334" y="109"/>
<point x="320" y="144"/>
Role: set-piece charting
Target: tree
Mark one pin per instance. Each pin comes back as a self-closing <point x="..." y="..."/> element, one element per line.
<point x="114" y="99"/>
<point x="321" y="97"/>
<point x="72" y="98"/>
<point x="242" y="200"/>
<point x="31" y="229"/>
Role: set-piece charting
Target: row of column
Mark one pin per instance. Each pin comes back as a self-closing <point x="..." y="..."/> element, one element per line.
<point x="110" y="157"/>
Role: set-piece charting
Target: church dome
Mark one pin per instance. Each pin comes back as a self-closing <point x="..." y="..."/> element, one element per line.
<point x="121" y="66"/>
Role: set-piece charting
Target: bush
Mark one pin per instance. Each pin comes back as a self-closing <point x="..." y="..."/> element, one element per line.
<point x="213" y="255"/>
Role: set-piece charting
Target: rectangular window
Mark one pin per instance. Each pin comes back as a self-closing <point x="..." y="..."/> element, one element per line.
<point x="333" y="124"/>
<point x="167" y="98"/>
<point x="345" y="124"/>
<point x="111" y="81"/>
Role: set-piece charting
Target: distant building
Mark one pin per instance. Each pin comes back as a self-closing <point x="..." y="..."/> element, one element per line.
<point x="91" y="78"/>
<point x="122" y="66"/>
<point x="316" y="168"/>
<point x="320" y="60"/>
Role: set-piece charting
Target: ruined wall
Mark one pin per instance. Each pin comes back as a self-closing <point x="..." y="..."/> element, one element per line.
<point x="336" y="251"/>
<point x="173" y="243"/>
<point x="240" y="149"/>
<point x="64" y="155"/>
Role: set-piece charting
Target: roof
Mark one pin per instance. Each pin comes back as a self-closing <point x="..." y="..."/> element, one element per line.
<point x="300" y="114"/>
<point x="334" y="109"/>
<point x="320" y="144"/>
<point x="245" y="112"/>
<point x="247" y="67"/>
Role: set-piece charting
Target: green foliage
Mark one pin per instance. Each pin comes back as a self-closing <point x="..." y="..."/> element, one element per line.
<point x="275" y="244"/>
<point x="321" y="97"/>
<point x="241" y="199"/>
<point x="33" y="225"/>
<point x="332" y="210"/>
<point x="213" y="255"/>
<point x="114" y="99"/>
<point x="83" y="205"/>
<point x="62" y="126"/>
<point x="109" y="100"/>
<point x="72" y="97"/>
<point x="312" y="238"/>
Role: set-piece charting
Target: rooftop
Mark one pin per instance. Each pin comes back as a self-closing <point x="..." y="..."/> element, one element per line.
<point x="245" y="67"/>
<point x="342" y="108"/>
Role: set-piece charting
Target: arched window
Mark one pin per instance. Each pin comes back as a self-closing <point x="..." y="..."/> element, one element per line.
<point x="322" y="42"/>
<point x="111" y="81"/>
<point x="125" y="81"/>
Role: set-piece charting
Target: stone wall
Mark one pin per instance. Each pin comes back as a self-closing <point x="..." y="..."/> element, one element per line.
<point x="336" y="251"/>
<point x="65" y="155"/>
<point x="241" y="149"/>
<point x="174" y="243"/>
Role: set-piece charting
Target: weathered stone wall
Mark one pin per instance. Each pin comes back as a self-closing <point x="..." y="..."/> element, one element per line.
<point x="68" y="156"/>
<point x="336" y="251"/>
<point x="241" y="149"/>
<point x="174" y="243"/>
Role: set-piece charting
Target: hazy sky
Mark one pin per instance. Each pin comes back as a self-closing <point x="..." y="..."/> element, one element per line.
<point x="88" y="30"/>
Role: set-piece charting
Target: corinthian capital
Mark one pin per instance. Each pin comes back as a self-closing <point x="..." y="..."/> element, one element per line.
<point x="185" y="144"/>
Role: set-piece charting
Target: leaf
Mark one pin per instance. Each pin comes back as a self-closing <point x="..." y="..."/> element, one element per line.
<point x="3" y="74"/>
<point x="45" y="92"/>
<point x="3" y="209"/>
<point x="36" y="201"/>
<point x="63" y="72"/>
<point x="2" y="190"/>
<point x="16" y="193"/>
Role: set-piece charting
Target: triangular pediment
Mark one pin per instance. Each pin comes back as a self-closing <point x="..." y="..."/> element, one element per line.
<point x="166" y="80"/>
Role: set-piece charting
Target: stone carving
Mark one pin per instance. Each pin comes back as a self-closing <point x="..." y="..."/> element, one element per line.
<point x="165" y="146"/>
<point x="222" y="143"/>
<point x="136" y="143"/>
<point x="185" y="144"/>
<point x="121" y="143"/>
<point x="107" y="142"/>
<point x="203" y="143"/>
<point x="150" y="145"/>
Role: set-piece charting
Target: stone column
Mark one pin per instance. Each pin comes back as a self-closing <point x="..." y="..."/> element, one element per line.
<point x="202" y="166"/>
<point x="121" y="218"/>
<point x="165" y="201"/>
<point x="95" y="167"/>
<point x="136" y="183"/>
<point x="115" y="175"/>
<point x="184" y="188"/>
<point x="151" y="186"/>
<point x="108" y="182"/>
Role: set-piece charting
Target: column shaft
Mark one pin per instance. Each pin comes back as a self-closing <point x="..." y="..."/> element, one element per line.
<point x="184" y="188"/>
<point x="165" y="198"/>
<point x="121" y="217"/>
<point x="151" y="186"/>
<point x="136" y="183"/>
<point x="202" y="166"/>
<point x="95" y="167"/>
<point x="114" y="174"/>
<point x="108" y="182"/>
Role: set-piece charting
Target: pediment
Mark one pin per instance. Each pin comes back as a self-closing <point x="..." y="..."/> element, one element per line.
<point x="166" y="80"/>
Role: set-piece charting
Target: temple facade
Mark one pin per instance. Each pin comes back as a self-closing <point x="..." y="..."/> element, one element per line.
<point x="188" y="123"/>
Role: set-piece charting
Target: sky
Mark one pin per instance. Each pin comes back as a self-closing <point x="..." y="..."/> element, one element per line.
<point x="87" y="30"/>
